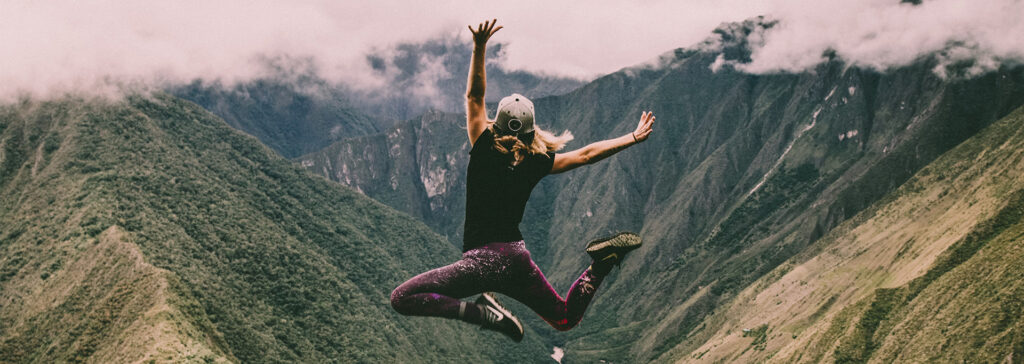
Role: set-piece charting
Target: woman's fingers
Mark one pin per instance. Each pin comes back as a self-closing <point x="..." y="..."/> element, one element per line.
<point x="645" y="126"/>
<point x="485" y="30"/>
<point x="646" y="118"/>
<point x="492" y="29"/>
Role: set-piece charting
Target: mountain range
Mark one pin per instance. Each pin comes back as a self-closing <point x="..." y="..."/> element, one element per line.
<point x="842" y="215"/>
<point x="743" y="177"/>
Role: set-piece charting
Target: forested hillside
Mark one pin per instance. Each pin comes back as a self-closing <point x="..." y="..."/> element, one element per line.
<point x="147" y="229"/>
<point x="930" y="273"/>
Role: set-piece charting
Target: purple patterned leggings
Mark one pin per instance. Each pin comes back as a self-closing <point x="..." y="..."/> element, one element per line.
<point x="505" y="268"/>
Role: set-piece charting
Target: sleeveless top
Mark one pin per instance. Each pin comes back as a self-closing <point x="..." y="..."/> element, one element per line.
<point x="496" y="192"/>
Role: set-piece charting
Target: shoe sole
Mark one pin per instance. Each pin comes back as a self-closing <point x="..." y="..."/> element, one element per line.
<point x="621" y="242"/>
<point x="493" y="302"/>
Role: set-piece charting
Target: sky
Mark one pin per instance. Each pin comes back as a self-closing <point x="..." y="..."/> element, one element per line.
<point x="59" y="46"/>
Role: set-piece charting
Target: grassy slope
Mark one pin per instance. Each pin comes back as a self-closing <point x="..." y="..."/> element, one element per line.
<point x="928" y="273"/>
<point x="239" y="255"/>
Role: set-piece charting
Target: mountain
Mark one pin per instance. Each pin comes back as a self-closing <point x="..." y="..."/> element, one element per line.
<point x="296" y="111"/>
<point x="293" y="116"/>
<point x="929" y="273"/>
<point x="417" y="166"/>
<point x="148" y="230"/>
<point x="742" y="174"/>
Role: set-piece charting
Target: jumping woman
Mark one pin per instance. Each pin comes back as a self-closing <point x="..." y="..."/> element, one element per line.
<point x="508" y="157"/>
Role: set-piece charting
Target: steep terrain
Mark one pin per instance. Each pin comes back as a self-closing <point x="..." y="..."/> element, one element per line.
<point x="147" y="229"/>
<point x="293" y="117"/>
<point x="743" y="173"/>
<point x="417" y="166"/>
<point x="931" y="273"/>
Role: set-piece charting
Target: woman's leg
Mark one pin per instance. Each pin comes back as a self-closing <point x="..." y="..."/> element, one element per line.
<point x="438" y="292"/>
<point x="532" y="288"/>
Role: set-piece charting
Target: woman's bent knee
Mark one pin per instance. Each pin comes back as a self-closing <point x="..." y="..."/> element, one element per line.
<point x="397" y="297"/>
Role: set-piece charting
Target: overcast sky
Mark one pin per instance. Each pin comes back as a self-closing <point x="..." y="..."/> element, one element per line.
<point x="60" y="45"/>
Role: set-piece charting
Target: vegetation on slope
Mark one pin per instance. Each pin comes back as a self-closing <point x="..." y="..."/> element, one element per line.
<point x="887" y="303"/>
<point x="281" y="266"/>
<point x="293" y="117"/>
<point x="928" y="274"/>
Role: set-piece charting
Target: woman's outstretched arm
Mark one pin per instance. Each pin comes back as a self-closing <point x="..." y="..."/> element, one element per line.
<point x="476" y="112"/>
<point x="603" y="149"/>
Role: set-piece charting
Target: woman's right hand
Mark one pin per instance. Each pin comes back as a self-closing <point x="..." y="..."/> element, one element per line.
<point x="643" y="129"/>
<point x="484" y="31"/>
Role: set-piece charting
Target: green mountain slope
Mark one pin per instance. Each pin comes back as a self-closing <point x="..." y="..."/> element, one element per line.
<point x="291" y="117"/>
<point x="931" y="273"/>
<point x="149" y="229"/>
<point x="744" y="172"/>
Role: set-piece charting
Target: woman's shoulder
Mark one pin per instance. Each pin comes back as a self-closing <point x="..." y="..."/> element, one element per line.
<point x="542" y="162"/>
<point x="485" y="139"/>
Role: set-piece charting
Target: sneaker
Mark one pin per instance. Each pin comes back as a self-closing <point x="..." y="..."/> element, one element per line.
<point x="498" y="318"/>
<point x="611" y="250"/>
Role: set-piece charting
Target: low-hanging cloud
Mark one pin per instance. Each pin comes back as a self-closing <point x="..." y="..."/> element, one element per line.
<point x="60" y="46"/>
<point x="979" y="36"/>
<point x="57" y="46"/>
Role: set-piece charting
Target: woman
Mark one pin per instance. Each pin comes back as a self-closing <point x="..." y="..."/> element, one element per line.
<point x="507" y="159"/>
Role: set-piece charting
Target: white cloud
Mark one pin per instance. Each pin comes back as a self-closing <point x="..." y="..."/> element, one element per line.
<point x="882" y="34"/>
<point x="61" y="45"/>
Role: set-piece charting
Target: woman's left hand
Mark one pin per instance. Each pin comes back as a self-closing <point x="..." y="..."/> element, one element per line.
<point x="484" y="31"/>
<point x="643" y="129"/>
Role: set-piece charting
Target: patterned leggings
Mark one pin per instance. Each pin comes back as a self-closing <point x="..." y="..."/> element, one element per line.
<point x="505" y="268"/>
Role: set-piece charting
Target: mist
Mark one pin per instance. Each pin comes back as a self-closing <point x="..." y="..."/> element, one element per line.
<point x="108" y="46"/>
<point x="883" y="34"/>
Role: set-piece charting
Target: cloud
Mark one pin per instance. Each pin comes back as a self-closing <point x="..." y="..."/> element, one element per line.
<point x="883" y="34"/>
<point x="48" y="46"/>
<point x="62" y="45"/>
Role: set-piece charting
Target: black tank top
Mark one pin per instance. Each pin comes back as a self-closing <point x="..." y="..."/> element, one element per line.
<point x="496" y="192"/>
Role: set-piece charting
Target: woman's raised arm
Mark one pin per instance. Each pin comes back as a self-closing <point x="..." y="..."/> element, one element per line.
<point x="476" y="112"/>
<point x="603" y="149"/>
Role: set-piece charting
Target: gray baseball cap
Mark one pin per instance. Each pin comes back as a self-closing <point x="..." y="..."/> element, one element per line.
<point x="515" y="116"/>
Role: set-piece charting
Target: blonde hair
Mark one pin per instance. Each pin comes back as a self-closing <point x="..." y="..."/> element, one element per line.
<point x="543" y="142"/>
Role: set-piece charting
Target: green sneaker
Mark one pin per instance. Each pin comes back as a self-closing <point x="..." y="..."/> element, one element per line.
<point x="611" y="250"/>
<point x="498" y="318"/>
